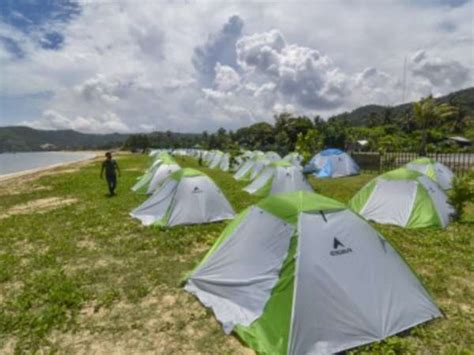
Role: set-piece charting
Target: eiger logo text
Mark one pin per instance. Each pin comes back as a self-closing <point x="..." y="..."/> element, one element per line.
<point x="339" y="248"/>
<point x="197" y="190"/>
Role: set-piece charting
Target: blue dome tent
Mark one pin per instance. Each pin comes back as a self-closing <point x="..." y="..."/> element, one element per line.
<point x="332" y="163"/>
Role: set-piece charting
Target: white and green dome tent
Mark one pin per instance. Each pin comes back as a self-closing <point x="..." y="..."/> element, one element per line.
<point x="154" y="152"/>
<point x="251" y="168"/>
<point x="244" y="170"/>
<point x="224" y="164"/>
<point x="208" y="156"/>
<point x="144" y="181"/>
<point x="300" y="273"/>
<point x="434" y="170"/>
<point x="280" y="176"/>
<point x="404" y="198"/>
<point x="187" y="196"/>
<point x="162" y="171"/>
<point x="272" y="156"/>
<point x="238" y="161"/>
<point x="257" y="167"/>
<point x="216" y="159"/>
<point x="258" y="154"/>
<point x="247" y="154"/>
<point x="294" y="158"/>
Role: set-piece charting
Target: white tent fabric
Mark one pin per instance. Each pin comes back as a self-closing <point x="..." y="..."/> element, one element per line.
<point x="161" y="173"/>
<point x="157" y="205"/>
<point x="190" y="200"/>
<point x="156" y="163"/>
<point x="285" y="179"/>
<point x="289" y="179"/>
<point x="238" y="161"/>
<point x="272" y="156"/>
<point x="294" y="158"/>
<point x="216" y="160"/>
<point x="391" y="202"/>
<point x="224" y="163"/>
<point x="444" y="175"/>
<point x="198" y="200"/>
<point x="154" y="152"/>
<point x="237" y="281"/>
<point x="260" y="181"/>
<point x="343" y="300"/>
<point x="243" y="170"/>
<point x="257" y="167"/>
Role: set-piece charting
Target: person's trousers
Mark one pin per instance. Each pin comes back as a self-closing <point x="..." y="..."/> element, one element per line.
<point x="112" y="183"/>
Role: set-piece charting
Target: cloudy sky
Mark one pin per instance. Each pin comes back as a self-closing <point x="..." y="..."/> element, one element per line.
<point x="188" y="66"/>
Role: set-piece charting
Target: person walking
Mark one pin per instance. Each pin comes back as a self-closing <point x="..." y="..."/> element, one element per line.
<point x="111" y="169"/>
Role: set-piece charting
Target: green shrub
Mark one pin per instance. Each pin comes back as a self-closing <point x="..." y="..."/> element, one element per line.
<point x="462" y="193"/>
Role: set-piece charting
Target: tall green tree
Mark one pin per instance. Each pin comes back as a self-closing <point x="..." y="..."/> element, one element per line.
<point x="428" y="114"/>
<point x="308" y="144"/>
<point x="292" y="126"/>
<point x="282" y="142"/>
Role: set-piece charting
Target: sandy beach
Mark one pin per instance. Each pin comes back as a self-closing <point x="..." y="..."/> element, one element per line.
<point x="32" y="173"/>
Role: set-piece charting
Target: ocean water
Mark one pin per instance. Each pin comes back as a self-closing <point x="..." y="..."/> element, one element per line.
<point x="18" y="162"/>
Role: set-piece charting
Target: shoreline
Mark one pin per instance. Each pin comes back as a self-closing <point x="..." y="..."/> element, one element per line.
<point x="10" y="176"/>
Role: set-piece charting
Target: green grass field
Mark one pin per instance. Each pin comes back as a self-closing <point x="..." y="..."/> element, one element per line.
<point x="78" y="275"/>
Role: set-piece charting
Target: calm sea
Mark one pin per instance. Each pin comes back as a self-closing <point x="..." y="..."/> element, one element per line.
<point x="17" y="162"/>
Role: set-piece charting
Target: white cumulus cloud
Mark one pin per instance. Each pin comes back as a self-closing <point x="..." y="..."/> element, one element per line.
<point x="201" y="65"/>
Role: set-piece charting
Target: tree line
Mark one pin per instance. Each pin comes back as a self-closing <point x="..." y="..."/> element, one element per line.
<point x="422" y="127"/>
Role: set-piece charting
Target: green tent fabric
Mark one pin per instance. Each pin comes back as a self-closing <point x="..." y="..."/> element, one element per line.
<point x="186" y="172"/>
<point x="434" y="170"/>
<point x="300" y="273"/>
<point x="403" y="197"/>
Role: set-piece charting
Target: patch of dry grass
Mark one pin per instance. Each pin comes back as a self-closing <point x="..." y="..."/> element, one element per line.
<point x="41" y="205"/>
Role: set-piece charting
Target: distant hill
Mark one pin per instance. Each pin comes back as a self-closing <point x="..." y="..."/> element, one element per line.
<point x="19" y="138"/>
<point x="361" y="116"/>
<point x="23" y="139"/>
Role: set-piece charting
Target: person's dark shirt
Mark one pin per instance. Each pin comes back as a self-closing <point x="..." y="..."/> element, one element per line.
<point x="110" y="167"/>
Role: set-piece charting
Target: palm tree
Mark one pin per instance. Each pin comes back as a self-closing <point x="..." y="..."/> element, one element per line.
<point x="429" y="114"/>
<point x="460" y="115"/>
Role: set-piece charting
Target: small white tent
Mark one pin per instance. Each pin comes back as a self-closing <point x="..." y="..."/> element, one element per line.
<point x="216" y="159"/>
<point x="403" y="197"/>
<point x="161" y="173"/>
<point x="280" y="176"/>
<point x="163" y="165"/>
<point x="224" y="164"/>
<point x="272" y="156"/>
<point x="187" y="196"/>
<point x="434" y="170"/>
<point x="294" y="158"/>
<point x="251" y="168"/>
